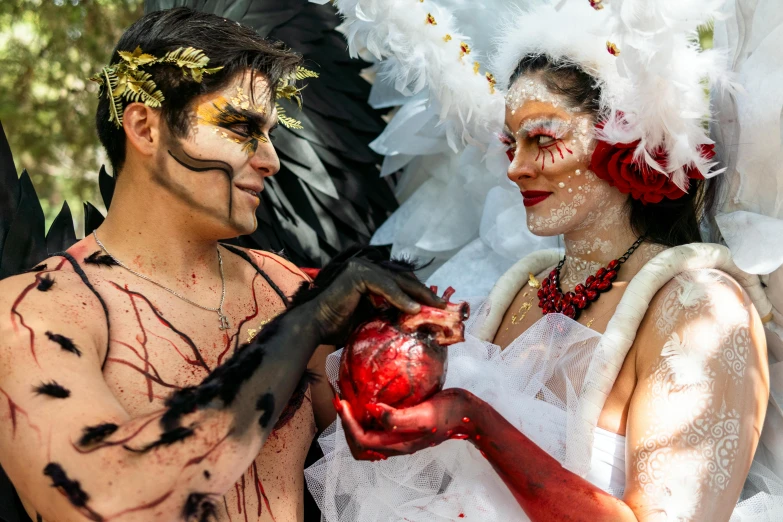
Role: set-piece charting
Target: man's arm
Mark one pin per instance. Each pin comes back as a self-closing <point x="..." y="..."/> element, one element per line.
<point x="289" y="277"/>
<point x="65" y="429"/>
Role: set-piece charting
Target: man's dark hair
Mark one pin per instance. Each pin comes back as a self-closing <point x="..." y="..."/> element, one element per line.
<point x="234" y="47"/>
<point x="671" y="222"/>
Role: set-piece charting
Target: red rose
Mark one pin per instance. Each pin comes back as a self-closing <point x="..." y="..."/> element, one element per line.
<point x="616" y="165"/>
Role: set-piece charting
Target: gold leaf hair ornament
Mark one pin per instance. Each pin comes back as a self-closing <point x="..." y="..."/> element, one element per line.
<point x="287" y="89"/>
<point x="125" y="80"/>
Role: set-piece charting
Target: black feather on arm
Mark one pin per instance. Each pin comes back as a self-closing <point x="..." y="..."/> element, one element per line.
<point x="199" y="507"/>
<point x="167" y="438"/>
<point x="64" y="342"/>
<point x="93" y="434"/>
<point x="101" y="260"/>
<point x="45" y="283"/>
<point x="52" y="389"/>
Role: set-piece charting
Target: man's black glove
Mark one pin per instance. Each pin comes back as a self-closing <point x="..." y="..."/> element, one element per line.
<point x="332" y="300"/>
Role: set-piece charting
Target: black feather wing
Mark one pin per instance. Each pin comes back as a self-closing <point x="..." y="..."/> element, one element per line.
<point x="328" y="194"/>
<point x="23" y="240"/>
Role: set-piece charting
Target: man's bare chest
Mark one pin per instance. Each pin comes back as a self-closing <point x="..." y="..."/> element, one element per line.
<point x="158" y="345"/>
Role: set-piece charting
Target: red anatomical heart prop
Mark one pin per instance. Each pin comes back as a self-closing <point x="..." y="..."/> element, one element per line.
<point x="400" y="359"/>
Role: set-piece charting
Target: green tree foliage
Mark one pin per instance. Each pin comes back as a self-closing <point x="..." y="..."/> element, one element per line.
<point x="48" y="50"/>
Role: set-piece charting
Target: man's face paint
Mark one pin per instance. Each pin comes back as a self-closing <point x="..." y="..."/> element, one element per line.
<point x="218" y="169"/>
<point x="236" y="120"/>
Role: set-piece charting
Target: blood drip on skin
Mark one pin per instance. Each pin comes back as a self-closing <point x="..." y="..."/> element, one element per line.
<point x="543" y="149"/>
<point x="235" y="337"/>
<point x="199" y="360"/>
<point x="399" y="359"/>
<point x="13" y="409"/>
<point x="39" y="278"/>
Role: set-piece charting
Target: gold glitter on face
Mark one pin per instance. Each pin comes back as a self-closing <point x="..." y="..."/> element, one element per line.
<point x="241" y="100"/>
<point x="235" y="120"/>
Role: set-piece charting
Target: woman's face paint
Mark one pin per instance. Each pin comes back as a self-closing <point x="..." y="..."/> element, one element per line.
<point x="550" y="145"/>
<point x="219" y="167"/>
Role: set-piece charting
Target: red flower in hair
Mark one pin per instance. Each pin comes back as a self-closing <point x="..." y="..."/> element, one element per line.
<point x="616" y="165"/>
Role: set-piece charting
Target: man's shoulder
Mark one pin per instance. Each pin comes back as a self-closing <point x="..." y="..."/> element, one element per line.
<point x="50" y="292"/>
<point x="277" y="266"/>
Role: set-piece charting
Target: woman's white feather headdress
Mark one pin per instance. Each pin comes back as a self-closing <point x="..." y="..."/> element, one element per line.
<point x="645" y="56"/>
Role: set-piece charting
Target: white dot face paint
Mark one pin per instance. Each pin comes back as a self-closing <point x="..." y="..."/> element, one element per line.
<point x="548" y="143"/>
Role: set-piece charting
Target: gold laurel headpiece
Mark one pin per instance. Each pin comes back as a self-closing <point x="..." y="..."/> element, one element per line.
<point x="126" y="80"/>
<point x="287" y="89"/>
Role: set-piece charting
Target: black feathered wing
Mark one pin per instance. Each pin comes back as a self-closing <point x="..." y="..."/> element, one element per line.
<point x="23" y="241"/>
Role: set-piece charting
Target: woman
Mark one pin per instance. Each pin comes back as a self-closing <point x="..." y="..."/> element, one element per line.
<point x="633" y="379"/>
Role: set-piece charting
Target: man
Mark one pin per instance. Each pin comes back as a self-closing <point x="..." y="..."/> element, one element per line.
<point x="125" y="388"/>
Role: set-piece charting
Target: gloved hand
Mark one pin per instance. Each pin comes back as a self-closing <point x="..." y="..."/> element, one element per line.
<point x="332" y="299"/>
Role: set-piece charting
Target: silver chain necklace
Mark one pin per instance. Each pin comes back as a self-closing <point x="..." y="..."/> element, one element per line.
<point x="224" y="324"/>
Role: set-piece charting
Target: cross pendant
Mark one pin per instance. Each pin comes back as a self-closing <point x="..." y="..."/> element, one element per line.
<point x="224" y="325"/>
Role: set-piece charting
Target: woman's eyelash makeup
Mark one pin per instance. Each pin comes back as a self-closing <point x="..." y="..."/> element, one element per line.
<point x="554" y="128"/>
<point x="511" y="146"/>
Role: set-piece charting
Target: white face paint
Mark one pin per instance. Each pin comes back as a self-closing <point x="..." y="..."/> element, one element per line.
<point x="550" y="144"/>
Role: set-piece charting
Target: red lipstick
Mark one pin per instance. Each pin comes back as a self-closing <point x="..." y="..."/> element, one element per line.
<point x="534" y="197"/>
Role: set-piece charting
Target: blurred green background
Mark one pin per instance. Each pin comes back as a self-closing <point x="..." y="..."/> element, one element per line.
<point x="48" y="50"/>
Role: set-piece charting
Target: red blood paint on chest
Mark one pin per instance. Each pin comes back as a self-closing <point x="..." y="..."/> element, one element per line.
<point x="15" y="312"/>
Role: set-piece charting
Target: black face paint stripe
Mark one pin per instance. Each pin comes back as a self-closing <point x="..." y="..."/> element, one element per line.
<point x="200" y="165"/>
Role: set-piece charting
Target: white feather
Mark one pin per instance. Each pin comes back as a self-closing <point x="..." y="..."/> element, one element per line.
<point x="653" y="91"/>
<point x="687" y="363"/>
<point x="415" y="55"/>
<point x="691" y="292"/>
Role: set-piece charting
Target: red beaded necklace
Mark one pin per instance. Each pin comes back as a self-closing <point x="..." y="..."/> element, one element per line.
<point x="551" y="298"/>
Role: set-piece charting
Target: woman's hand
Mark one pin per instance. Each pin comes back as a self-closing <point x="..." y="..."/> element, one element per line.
<point x="449" y="414"/>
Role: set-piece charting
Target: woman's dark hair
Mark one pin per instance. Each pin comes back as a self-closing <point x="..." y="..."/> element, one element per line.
<point x="671" y="222"/>
<point x="234" y="47"/>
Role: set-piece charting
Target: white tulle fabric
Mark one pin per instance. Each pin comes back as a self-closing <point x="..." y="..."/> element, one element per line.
<point x="749" y="134"/>
<point x="534" y="383"/>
